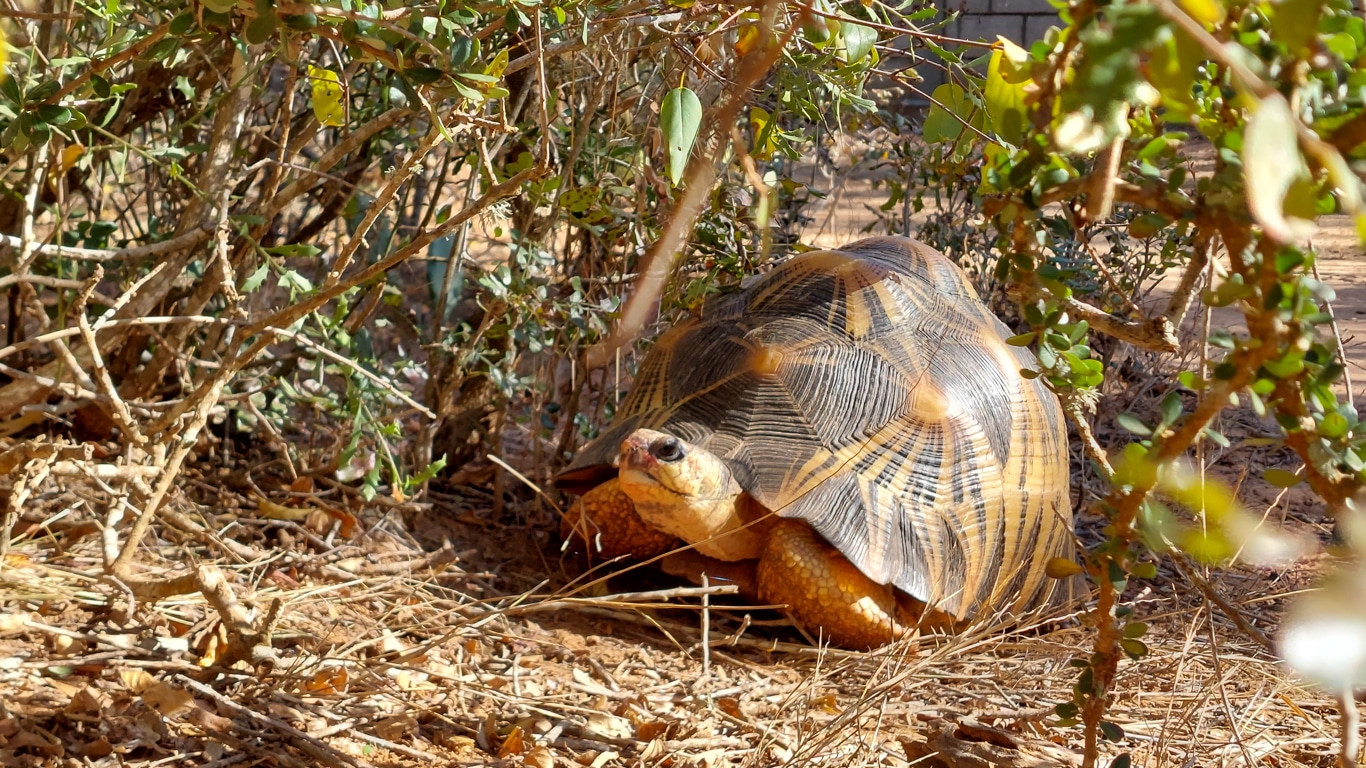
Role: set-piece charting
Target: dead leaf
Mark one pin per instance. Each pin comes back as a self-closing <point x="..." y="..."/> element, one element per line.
<point x="97" y="749"/>
<point x="210" y="722"/>
<point x="348" y="522"/>
<point x="137" y="680"/>
<point x="328" y="680"/>
<point x="213" y="644"/>
<point x="272" y="511"/>
<point x="302" y="484"/>
<point x="167" y="699"/>
<point x="36" y="741"/>
<point x="651" y="730"/>
<point x="396" y="728"/>
<point x="539" y="757"/>
<point x="68" y="646"/>
<point x="514" y="744"/>
<point x="14" y="622"/>
<point x="603" y="758"/>
<point x="828" y="702"/>
<point x="85" y="702"/>
<point x="285" y="712"/>
<point x="608" y="726"/>
<point x="318" y="521"/>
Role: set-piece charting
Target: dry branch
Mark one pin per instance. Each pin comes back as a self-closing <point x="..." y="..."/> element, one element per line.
<point x="699" y="178"/>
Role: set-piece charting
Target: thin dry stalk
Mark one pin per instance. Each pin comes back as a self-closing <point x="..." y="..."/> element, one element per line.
<point x="700" y="176"/>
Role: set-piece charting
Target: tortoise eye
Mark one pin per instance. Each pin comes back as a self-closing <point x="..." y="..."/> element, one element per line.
<point x="667" y="449"/>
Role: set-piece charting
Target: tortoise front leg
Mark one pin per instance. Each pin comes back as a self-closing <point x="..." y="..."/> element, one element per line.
<point x="824" y="592"/>
<point x="605" y="521"/>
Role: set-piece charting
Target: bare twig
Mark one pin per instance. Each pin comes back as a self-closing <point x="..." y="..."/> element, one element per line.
<point x="699" y="178"/>
<point x="183" y="240"/>
<point x="1351" y="729"/>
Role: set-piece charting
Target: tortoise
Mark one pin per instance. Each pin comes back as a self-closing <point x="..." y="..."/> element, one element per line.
<point x="853" y="425"/>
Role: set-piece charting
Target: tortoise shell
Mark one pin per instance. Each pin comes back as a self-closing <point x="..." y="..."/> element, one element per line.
<point x="870" y="392"/>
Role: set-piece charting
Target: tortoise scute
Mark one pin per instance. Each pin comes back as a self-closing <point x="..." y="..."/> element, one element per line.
<point x="870" y="393"/>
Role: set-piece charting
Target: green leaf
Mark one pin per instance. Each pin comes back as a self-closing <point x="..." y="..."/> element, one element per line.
<point x="1171" y="408"/>
<point x="1272" y="164"/>
<point x="1333" y="426"/>
<point x="428" y="473"/>
<point x="295" y="282"/>
<point x="1135" y="629"/>
<point x="297" y="250"/>
<point x="302" y="21"/>
<point x="255" y="279"/>
<point x="54" y="115"/>
<point x="182" y="24"/>
<point x="1022" y="340"/>
<point x="1294" y="23"/>
<point x="1217" y="437"/>
<point x="1131" y="423"/>
<point x="1148" y="225"/>
<point x="950" y="109"/>
<point x="1110" y="731"/>
<point x="1123" y="761"/>
<point x="858" y="41"/>
<point x="43" y="91"/>
<point x="422" y="75"/>
<point x="679" y="118"/>
<point x="1047" y="357"/>
<point x="262" y="28"/>
<point x="1281" y="478"/>
<point x="1136" y="649"/>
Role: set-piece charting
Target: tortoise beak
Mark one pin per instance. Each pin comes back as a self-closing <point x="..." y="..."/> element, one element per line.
<point x="635" y="454"/>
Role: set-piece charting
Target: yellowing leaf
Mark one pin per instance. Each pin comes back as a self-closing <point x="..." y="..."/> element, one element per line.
<point x="498" y="65"/>
<point x="747" y="39"/>
<point x="1007" y="80"/>
<point x="1204" y="11"/>
<point x="327" y="96"/>
<point x="1061" y="568"/>
<point x="765" y="136"/>
<point x="1294" y="23"/>
<point x="1014" y="62"/>
<point x="1272" y="164"/>
<point x="70" y="155"/>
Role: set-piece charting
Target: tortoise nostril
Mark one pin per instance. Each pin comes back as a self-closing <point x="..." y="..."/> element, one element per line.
<point x="667" y="449"/>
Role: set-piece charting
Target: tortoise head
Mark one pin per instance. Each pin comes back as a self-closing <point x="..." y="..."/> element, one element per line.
<point x="678" y="487"/>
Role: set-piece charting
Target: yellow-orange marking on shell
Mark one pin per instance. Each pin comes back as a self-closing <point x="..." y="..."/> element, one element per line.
<point x="928" y="403"/>
<point x="765" y="359"/>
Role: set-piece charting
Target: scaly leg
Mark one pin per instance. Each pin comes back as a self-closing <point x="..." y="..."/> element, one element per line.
<point x="824" y="592"/>
<point x="605" y="522"/>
